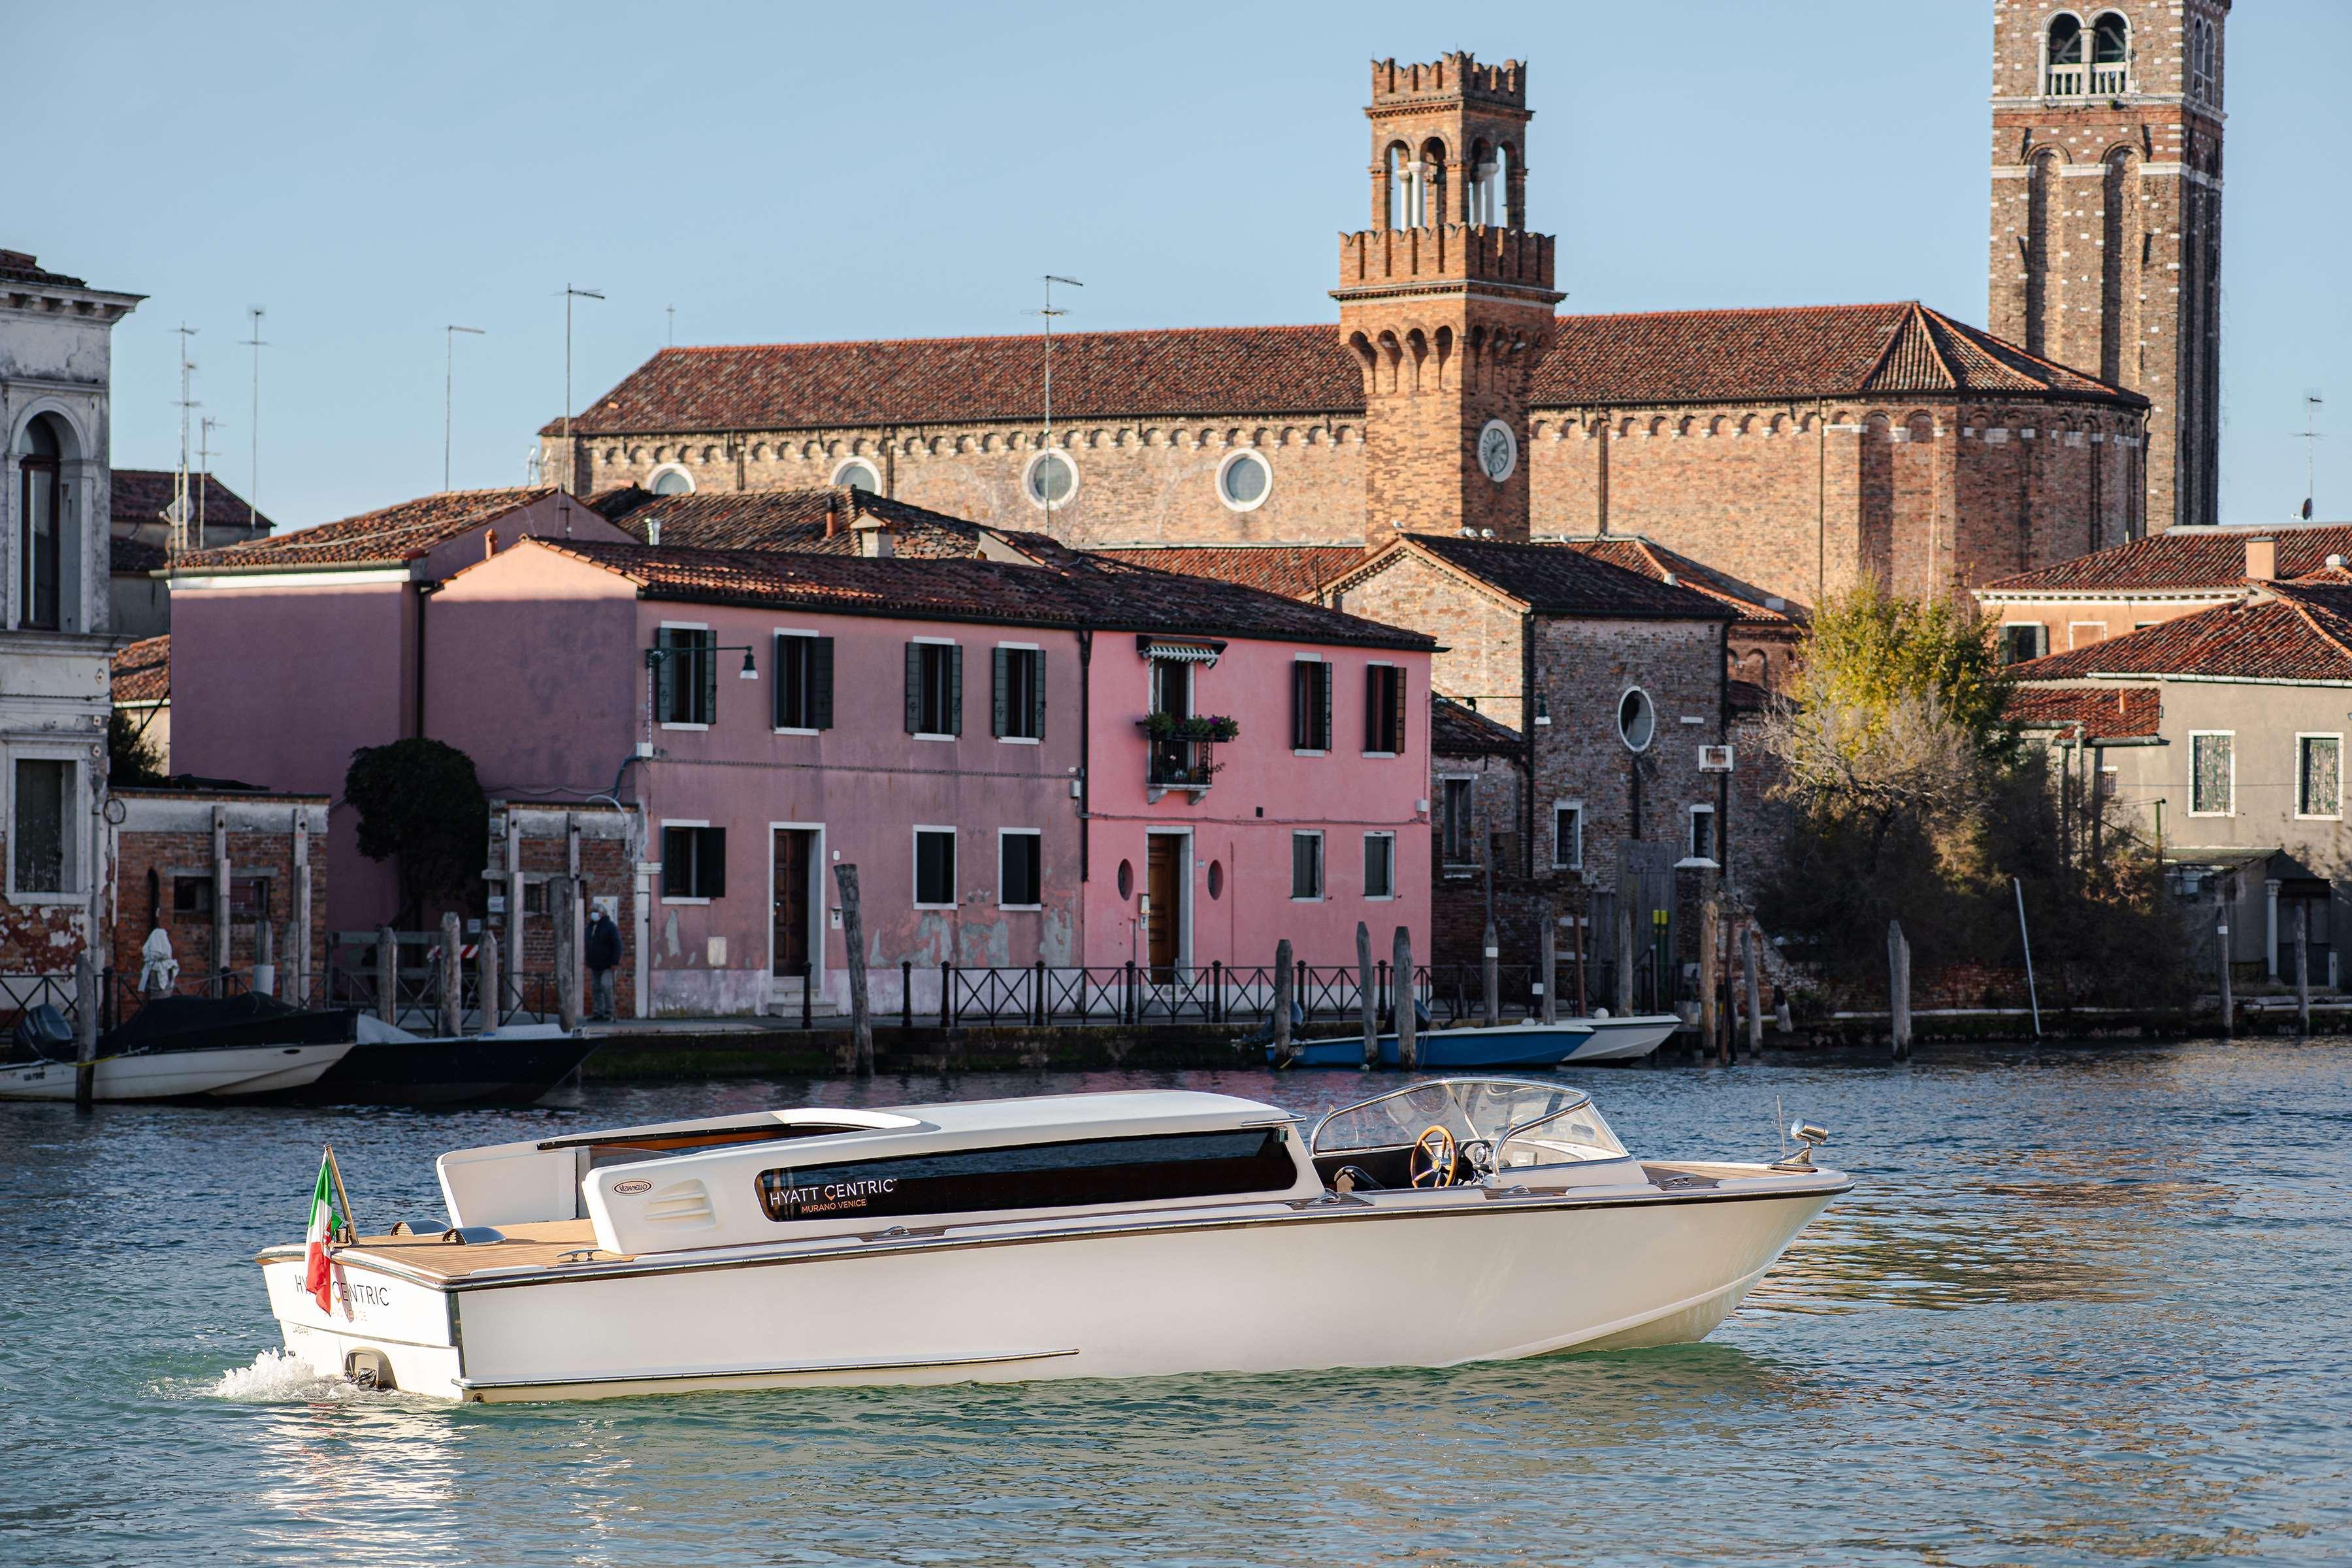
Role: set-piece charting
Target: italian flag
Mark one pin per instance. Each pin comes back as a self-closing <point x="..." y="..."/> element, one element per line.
<point x="317" y="1275"/>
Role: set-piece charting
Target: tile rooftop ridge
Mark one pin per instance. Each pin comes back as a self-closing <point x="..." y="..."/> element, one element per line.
<point x="1064" y="336"/>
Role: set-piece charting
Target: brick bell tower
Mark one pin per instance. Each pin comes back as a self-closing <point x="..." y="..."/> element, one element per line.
<point x="2106" y="215"/>
<point x="1446" y="301"/>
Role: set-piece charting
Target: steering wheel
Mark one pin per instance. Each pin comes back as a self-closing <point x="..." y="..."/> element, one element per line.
<point x="1436" y="1145"/>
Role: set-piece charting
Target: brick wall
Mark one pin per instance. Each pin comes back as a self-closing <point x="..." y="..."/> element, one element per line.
<point x="162" y="856"/>
<point x="607" y="868"/>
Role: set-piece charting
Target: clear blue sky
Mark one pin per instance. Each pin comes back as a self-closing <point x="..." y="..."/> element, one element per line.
<point x="371" y="175"/>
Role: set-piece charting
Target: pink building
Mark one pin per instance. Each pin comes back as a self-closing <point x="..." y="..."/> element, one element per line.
<point x="290" y="652"/>
<point x="978" y="738"/>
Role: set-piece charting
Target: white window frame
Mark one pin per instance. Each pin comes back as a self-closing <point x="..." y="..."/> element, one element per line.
<point x="2300" y="737"/>
<point x="1322" y="866"/>
<point x="663" y="674"/>
<point x="1577" y="862"/>
<point x="680" y="470"/>
<point x="1692" y="812"/>
<point x="666" y="824"/>
<point x="1617" y="720"/>
<point x="778" y="674"/>
<point x="2075" y="629"/>
<point x="856" y="460"/>
<point x="1024" y="740"/>
<point x="1001" y="834"/>
<point x="915" y="866"/>
<point x="77" y="831"/>
<point x="1029" y="471"/>
<point x="1331" y="700"/>
<point x="2231" y="809"/>
<point x="1244" y="455"/>
<point x="1453" y="868"/>
<point x="925" y="734"/>
<point x="1371" y="897"/>
<point x="2040" y="638"/>
<point x="1370" y="666"/>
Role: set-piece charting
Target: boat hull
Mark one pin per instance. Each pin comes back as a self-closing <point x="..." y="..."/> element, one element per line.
<point x="228" y="1073"/>
<point x="510" y="1067"/>
<point x="1431" y="1279"/>
<point x="1521" y="1046"/>
<point x="1625" y="1039"/>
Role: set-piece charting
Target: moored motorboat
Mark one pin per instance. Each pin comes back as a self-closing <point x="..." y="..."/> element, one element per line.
<point x="228" y="1073"/>
<point x="516" y="1064"/>
<point x="1530" y="1046"/>
<point x="1624" y="1039"/>
<point x="1080" y="1236"/>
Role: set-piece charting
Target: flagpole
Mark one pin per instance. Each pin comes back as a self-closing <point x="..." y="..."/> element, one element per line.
<point x="342" y="1198"/>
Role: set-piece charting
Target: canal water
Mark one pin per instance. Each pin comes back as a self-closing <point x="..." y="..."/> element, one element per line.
<point x="2084" y="1307"/>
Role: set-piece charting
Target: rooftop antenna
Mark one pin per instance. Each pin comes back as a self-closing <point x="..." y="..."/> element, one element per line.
<point x="1044" y="483"/>
<point x="179" y="513"/>
<point x="448" y="352"/>
<point x="2311" y="402"/>
<point x="671" y="310"/>
<point x="205" y="428"/>
<point x="253" y="480"/>
<point x="571" y="460"/>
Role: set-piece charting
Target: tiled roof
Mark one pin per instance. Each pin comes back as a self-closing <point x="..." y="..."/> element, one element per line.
<point x="2182" y="560"/>
<point x="1746" y="696"/>
<point x="2105" y="712"/>
<point x="1757" y="611"/>
<point x="2291" y="631"/>
<point x="1828" y="351"/>
<point x="1879" y="351"/>
<point x="924" y="381"/>
<point x="1458" y="730"/>
<point x="1554" y="579"/>
<point x="1295" y="570"/>
<point x="17" y="267"/>
<point x="144" y="495"/>
<point x="1079" y="594"/>
<point x="143" y="670"/>
<point x="395" y="533"/>
<point x="796" y="519"/>
<point x="134" y="557"/>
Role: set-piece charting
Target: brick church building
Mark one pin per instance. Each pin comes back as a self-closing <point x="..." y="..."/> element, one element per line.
<point x="1796" y="451"/>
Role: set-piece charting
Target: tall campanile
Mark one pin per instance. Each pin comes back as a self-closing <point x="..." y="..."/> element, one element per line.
<point x="1446" y="299"/>
<point x="2106" y="214"/>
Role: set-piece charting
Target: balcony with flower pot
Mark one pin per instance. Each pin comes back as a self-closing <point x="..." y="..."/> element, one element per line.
<point x="1183" y="750"/>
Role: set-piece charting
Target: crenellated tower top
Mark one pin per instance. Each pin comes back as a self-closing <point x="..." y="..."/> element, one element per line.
<point x="1457" y="75"/>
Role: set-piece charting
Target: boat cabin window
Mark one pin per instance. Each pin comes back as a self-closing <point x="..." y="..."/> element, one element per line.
<point x="1035" y="1176"/>
<point x="1565" y="1139"/>
<point x="1506" y="1123"/>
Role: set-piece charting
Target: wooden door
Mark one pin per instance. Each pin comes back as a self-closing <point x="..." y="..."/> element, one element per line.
<point x="795" y="849"/>
<point x="1163" y="878"/>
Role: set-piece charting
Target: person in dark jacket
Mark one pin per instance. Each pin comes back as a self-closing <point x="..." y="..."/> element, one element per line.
<point x="603" y="957"/>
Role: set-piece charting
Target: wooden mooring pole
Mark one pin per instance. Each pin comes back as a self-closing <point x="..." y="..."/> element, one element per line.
<point x="1490" y="977"/>
<point x="387" y="975"/>
<point x="85" y="1029"/>
<point x="1898" y="989"/>
<point x="490" y="992"/>
<point x="1748" y="937"/>
<point x="1549" y="947"/>
<point x="1710" y="974"/>
<point x="1282" y="980"/>
<point x="2229" y="1003"/>
<point x="853" y="941"/>
<point x="451" y="973"/>
<point x="1408" y="995"/>
<point x="1368" y="1000"/>
<point x="563" y="894"/>
<point x="2302" y="968"/>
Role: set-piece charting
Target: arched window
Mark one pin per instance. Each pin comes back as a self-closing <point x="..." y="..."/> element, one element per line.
<point x="2110" y="54"/>
<point x="2201" y="59"/>
<point x="2062" y="75"/>
<point x="41" y="526"/>
<point x="672" y="480"/>
<point x="858" y="474"/>
<point x="1482" y="183"/>
<point x="1504" y="217"/>
<point x="1431" y="184"/>
<point x="1404" y="197"/>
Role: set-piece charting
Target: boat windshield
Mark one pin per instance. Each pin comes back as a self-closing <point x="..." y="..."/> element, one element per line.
<point x="1529" y="1123"/>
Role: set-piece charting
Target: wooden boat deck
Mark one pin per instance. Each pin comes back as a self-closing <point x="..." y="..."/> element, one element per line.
<point x="538" y="1245"/>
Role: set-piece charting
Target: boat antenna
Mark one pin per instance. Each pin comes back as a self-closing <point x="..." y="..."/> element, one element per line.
<point x="1780" y="1125"/>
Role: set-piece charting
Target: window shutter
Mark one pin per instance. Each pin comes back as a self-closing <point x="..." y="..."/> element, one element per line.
<point x="776" y="672"/>
<point x="821" y="683"/>
<point x="996" y="716"/>
<point x="706" y="654"/>
<point x="1323" y="736"/>
<point x="1297" y="706"/>
<point x="1397" y="708"/>
<point x="1037" y="694"/>
<point x="914" y="687"/>
<point x="664" y="679"/>
<point x="710" y="862"/>
<point x="955" y="690"/>
<point x="673" y="852"/>
<point x="1372" y="681"/>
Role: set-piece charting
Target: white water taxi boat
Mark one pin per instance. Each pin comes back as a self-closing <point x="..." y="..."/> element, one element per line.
<point x="1078" y="1235"/>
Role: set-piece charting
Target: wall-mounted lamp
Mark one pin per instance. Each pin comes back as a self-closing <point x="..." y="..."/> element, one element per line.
<point x="751" y="671"/>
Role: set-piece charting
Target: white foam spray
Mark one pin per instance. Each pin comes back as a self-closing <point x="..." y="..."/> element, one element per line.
<point x="278" y="1377"/>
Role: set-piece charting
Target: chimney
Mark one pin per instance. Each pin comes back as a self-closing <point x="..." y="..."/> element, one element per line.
<point x="2262" y="560"/>
<point x="652" y="530"/>
<point x="489" y="542"/>
<point x="873" y="537"/>
<point x="832" y="516"/>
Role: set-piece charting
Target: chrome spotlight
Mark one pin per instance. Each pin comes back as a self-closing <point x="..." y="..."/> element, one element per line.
<point x="1808" y="1138"/>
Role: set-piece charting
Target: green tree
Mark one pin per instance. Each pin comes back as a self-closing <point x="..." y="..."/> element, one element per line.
<point x="133" y="758"/>
<point x="420" y="801"/>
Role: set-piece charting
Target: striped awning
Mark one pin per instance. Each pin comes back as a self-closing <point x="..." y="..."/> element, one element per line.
<point x="1182" y="650"/>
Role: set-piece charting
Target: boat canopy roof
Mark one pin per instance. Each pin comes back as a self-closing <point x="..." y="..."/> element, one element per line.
<point x="1470" y="1110"/>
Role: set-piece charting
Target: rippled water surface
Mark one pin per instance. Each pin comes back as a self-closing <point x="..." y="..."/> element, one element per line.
<point x="2083" y="1308"/>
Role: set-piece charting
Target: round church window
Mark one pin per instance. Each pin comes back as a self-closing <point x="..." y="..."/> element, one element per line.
<point x="1243" y="480"/>
<point x="1637" y="720"/>
<point x="857" y="474"/>
<point x="672" y="481"/>
<point x="1051" y="480"/>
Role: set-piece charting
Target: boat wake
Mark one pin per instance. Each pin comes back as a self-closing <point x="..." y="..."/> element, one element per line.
<point x="279" y="1377"/>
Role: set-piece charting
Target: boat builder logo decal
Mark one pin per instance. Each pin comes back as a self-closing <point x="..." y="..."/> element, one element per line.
<point x="630" y="1189"/>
